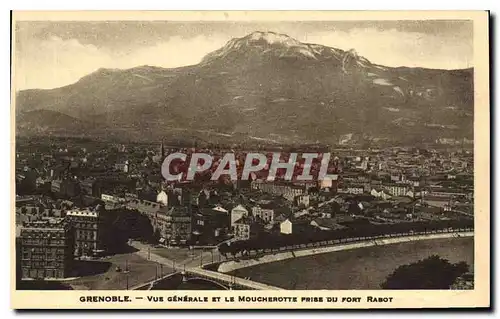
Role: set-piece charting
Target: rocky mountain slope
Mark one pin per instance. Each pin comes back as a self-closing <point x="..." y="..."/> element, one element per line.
<point x="264" y="86"/>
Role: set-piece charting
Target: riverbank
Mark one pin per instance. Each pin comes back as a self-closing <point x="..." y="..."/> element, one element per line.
<point x="356" y="269"/>
<point x="233" y="265"/>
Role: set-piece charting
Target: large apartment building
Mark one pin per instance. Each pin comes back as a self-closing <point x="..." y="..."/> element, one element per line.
<point x="46" y="249"/>
<point x="88" y="231"/>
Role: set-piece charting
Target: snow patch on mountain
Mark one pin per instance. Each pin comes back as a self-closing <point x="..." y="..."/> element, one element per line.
<point x="398" y="89"/>
<point x="280" y="100"/>
<point x="274" y="38"/>
<point x="351" y="59"/>
<point x="267" y="42"/>
<point x="391" y="109"/>
<point x="283" y="46"/>
<point x="307" y="53"/>
<point x="380" y="81"/>
<point x="143" y="77"/>
<point x="347" y="58"/>
<point x="361" y="61"/>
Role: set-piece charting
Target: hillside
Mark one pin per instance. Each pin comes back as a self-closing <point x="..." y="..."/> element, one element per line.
<point x="269" y="87"/>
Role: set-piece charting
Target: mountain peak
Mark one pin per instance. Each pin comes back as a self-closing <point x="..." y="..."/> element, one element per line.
<point x="271" y="38"/>
<point x="264" y="42"/>
<point x="261" y="44"/>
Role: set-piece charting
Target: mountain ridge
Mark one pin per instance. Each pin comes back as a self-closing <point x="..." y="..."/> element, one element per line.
<point x="271" y="86"/>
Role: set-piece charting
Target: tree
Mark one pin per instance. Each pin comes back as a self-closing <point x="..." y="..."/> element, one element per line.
<point x="223" y="249"/>
<point x="433" y="272"/>
<point x="232" y="250"/>
<point x="156" y="236"/>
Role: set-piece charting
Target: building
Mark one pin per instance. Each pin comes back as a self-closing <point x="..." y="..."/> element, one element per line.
<point x="446" y="192"/>
<point x="55" y="186"/>
<point x="237" y="213"/>
<point x="65" y="187"/>
<point x="438" y="201"/>
<point x="161" y="154"/>
<point x="410" y="194"/>
<point x="330" y="183"/>
<point x="209" y="225"/>
<point x="26" y="200"/>
<point x="286" y="227"/>
<point x="247" y="227"/>
<point x="414" y="181"/>
<point x="293" y="227"/>
<point x="112" y="202"/>
<point x="122" y="167"/>
<point x="174" y="226"/>
<point x="355" y="190"/>
<point x="397" y="189"/>
<point x="380" y="194"/>
<point x="146" y="207"/>
<point x="90" y="187"/>
<point x="46" y="249"/>
<point x="398" y="177"/>
<point x="162" y="198"/>
<point x="287" y="190"/>
<point x="187" y="194"/>
<point x="87" y="226"/>
<point x="303" y="200"/>
<point x="266" y="214"/>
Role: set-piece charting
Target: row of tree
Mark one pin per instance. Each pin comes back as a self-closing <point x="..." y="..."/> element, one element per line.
<point x="124" y="224"/>
<point x="433" y="272"/>
<point x="269" y="241"/>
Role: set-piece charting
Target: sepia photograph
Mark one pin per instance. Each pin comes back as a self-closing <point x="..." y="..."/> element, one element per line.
<point x="159" y="154"/>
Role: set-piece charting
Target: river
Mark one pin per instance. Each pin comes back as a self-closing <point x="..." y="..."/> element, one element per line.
<point x="363" y="268"/>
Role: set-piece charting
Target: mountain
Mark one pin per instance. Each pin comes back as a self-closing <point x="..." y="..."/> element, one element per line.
<point x="49" y="122"/>
<point x="268" y="87"/>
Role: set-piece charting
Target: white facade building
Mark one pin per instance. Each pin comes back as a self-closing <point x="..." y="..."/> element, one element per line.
<point x="162" y="198"/>
<point x="237" y="213"/>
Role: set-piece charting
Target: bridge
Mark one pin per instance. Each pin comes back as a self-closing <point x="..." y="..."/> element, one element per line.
<point x="223" y="281"/>
<point x="227" y="280"/>
<point x="194" y="269"/>
<point x="150" y="284"/>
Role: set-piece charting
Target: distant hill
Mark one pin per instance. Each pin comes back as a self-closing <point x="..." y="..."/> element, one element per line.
<point x="267" y="87"/>
<point x="49" y="122"/>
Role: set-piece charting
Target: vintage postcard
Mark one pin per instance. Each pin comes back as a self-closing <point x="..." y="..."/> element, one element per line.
<point x="241" y="160"/>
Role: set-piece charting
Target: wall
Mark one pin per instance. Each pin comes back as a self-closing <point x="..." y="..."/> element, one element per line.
<point x="229" y="266"/>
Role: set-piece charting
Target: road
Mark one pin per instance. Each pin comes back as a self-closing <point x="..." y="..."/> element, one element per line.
<point x="235" y="280"/>
<point x="144" y="252"/>
<point x="199" y="257"/>
<point x="193" y="265"/>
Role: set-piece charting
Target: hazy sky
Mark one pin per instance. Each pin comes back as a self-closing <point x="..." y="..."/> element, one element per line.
<point x="54" y="54"/>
